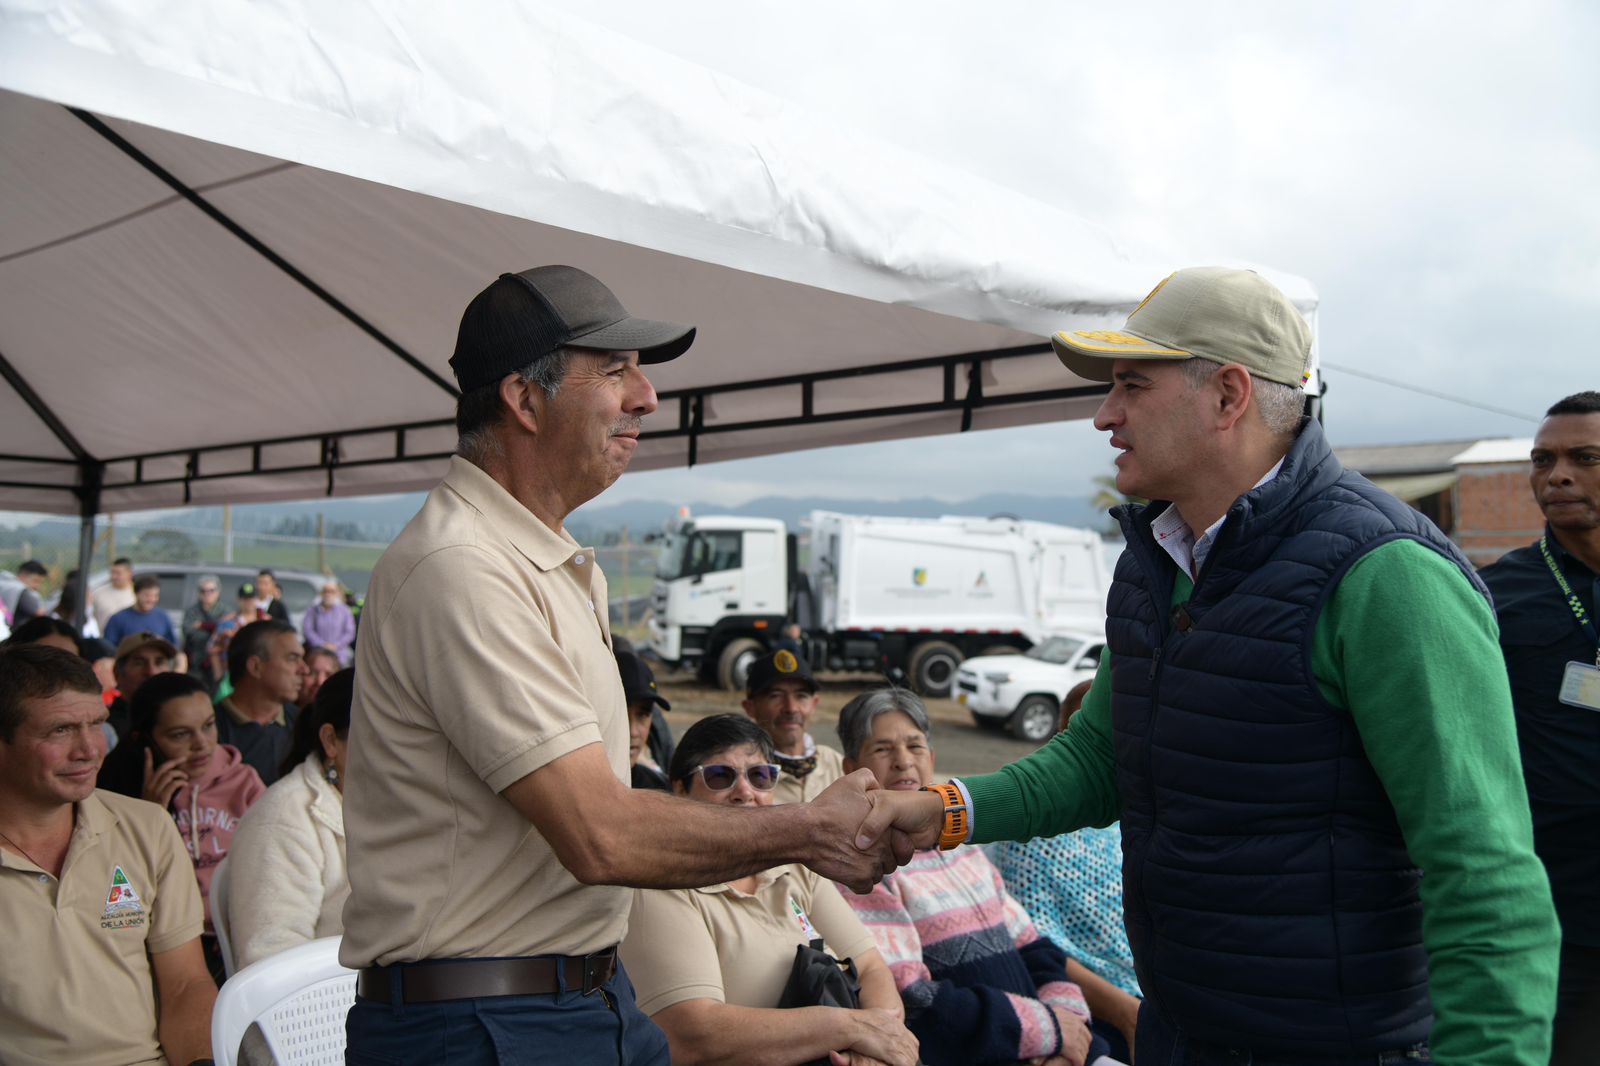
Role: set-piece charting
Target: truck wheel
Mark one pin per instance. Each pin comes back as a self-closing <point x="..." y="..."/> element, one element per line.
<point x="933" y="667"/>
<point x="1034" y="719"/>
<point x="733" y="666"/>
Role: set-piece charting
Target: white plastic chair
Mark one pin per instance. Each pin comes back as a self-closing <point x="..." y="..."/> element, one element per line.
<point x="298" y="998"/>
<point x="219" y="915"/>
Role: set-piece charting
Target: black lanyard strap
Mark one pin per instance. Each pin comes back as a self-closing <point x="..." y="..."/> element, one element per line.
<point x="1579" y="611"/>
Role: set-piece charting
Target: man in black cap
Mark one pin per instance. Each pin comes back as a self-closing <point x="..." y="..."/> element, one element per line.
<point x="639" y="689"/>
<point x="490" y="704"/>
<point x="781" y="697"/>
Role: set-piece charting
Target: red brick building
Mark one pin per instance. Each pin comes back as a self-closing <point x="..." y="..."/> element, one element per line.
<point x="1476" y="491"/>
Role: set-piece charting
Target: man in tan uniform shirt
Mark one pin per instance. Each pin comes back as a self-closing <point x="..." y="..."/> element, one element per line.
<point x="490" y="825"/>
<point x="102" y="963"/>
<point x="782" y="699"/>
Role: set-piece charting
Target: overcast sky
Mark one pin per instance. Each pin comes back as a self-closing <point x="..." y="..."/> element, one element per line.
<point x="1431" y="167"/>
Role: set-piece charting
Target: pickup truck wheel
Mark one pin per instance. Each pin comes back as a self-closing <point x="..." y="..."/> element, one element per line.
<point x="733" y="665"/>
<point x="1034" y="719"/>
<point x="933" y="667"/>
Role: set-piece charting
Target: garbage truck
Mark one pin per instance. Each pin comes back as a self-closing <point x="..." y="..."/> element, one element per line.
<point x="878" y="594"/>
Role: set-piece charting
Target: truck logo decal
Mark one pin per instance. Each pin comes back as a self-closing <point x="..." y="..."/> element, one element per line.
<point x="919" y="576"/>
<point x="982" y="582"/>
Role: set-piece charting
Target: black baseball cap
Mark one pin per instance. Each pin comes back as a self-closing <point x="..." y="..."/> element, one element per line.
<point x="781" y="665"/>
<point x="638" y="682"/>
<point x="522" y="317"/>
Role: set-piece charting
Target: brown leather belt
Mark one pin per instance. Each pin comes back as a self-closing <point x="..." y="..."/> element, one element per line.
<point x="439" y="980"/>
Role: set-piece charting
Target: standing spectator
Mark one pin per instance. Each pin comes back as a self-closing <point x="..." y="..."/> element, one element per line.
<point x="269" y="597"/>
<point x="199" y="625"/>
<point x="321" y="664"/>
<point x="242" y="615"/>
<point x="145" y="616"/>
<point x="117" y="596"/>
<point x="781" y="696"/>
<point x="329" y="624"/>
<point x="172" y="759"/>
<point x="66" y="607"/>
<point x="639" y="690"/>
<point x="139" y="657"/>
<point x="20" y="594"/>
<point x="102" y="960"/>
<point x="1547" y="596"/>
<point x="981" y="986"/>
<point x="287" y="866"/>
<point x="710" y="964"/>
<point x="267" y="666"/>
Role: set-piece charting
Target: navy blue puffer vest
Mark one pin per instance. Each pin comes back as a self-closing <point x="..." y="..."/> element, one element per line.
<point x="1270" y="899"/>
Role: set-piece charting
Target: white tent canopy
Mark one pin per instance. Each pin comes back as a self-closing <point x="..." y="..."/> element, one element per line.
<point x="235" y="240"/>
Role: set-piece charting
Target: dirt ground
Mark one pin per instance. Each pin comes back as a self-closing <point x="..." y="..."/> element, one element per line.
<point x="959" y="746"/>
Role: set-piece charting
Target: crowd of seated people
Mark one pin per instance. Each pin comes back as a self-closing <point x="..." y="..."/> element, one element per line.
<point x="710" y="965"/>
<point x="939" y="964"/>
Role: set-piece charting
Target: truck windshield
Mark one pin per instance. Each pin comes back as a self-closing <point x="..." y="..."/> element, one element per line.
<point x="696" y="552"/>
<point x="1055" y="649"/>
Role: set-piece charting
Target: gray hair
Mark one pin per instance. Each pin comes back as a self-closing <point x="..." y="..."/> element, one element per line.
<point x="478" y="412"/>
<point x="855" y="721"/>
<point x="1282" y="406"/>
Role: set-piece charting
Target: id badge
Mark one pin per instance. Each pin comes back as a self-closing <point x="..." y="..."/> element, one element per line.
<point x="1580" y="686"/>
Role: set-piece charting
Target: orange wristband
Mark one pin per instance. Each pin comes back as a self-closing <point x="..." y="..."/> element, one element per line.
<point x="956" y="825"/>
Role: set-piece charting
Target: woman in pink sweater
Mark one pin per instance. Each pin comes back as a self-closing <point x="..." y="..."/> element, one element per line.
<point x="175" y="760"/>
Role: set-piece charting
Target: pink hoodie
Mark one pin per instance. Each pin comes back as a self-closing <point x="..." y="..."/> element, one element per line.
<point x="208" y="811"/>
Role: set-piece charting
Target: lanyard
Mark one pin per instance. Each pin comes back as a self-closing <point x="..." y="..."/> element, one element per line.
<point x="1579" y="612"/>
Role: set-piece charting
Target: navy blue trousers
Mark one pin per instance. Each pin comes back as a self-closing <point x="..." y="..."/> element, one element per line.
<point x="602" y="1028"/>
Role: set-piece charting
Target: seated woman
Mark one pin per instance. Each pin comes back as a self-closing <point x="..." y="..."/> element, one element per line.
<point x="1071" y="886"/>
<point x="980" y="985"/>
<point x="287" y="881"/>
<point x="172" y="758"/>
<point x="710" y="964"/>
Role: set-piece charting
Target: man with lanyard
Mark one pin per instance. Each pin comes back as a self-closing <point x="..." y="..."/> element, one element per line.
<point x="1547" y="596"/>
<point x="491" y="833"/>
<point x="1302" y="723"/>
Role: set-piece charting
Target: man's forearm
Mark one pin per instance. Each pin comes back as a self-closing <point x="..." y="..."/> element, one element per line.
<point x="647" y="839"/>
<point x="185" y="1026"/>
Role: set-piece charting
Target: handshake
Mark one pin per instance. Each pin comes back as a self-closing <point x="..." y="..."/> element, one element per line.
<point x="862" y="832"/>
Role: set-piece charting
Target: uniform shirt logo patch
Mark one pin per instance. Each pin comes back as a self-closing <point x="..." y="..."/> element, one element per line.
<point x="124" y="909"/>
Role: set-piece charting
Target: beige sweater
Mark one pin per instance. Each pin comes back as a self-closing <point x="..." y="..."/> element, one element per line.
<point x="276" y="899"/>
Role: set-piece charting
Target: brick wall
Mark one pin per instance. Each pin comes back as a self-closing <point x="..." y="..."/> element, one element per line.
<point x="1494" y="511"/>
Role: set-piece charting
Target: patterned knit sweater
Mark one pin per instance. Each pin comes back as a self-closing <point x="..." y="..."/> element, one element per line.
<point x="977" y="979"/>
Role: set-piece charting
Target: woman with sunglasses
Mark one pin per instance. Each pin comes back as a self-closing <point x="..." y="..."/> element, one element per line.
<point x="709" y="964"/>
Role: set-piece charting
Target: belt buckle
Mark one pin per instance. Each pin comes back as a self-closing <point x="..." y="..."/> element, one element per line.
<point x="592" y="964"/>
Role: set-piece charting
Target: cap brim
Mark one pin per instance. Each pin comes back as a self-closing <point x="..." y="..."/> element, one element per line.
<point x="1090" y="353"/>
<point x="656" y="342"/>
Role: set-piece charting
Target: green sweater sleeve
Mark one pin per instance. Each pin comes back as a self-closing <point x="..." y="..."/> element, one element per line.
<point x="1065" y="785"/>
<point x="1412" y="651"/>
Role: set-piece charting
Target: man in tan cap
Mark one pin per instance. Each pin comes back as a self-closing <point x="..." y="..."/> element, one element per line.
<point x="1302" y="713"/>
<point x="491" y="830"/>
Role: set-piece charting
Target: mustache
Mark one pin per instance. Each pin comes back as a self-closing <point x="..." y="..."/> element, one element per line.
<point x="626" y="424"/>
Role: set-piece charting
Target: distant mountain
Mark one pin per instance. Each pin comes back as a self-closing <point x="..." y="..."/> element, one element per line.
<point x="380" y="518"/>
<point x="644" y="516"/>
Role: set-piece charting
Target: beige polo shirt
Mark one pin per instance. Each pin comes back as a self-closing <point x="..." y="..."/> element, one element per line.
<point x="719" y="943"/>
<point x="484" y="654"/>
<point x="830" y="767"/>
<point x="75" y="980"/>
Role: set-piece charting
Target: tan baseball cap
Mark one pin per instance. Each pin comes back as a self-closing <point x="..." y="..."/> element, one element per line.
<point x="1216" y="313"/>
<point x="134" y="641"/>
